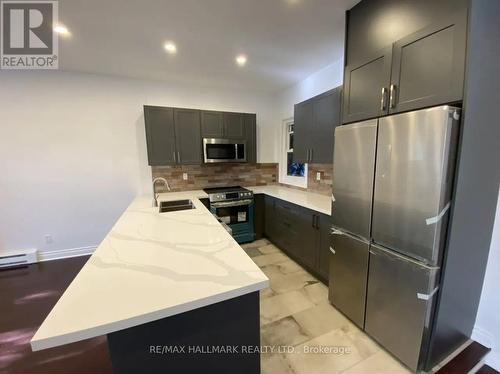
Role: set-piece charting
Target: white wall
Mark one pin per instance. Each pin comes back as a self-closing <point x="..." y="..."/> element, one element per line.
<point x="487" y="327"/>
<point x="73" y="150"/>
<point x="323" y="80"/>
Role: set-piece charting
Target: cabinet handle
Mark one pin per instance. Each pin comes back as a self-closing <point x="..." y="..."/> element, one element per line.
<point x="383" y="100"/>
<point x="178" y="156"/>
<point x="313" y="219"/>
<point x="332" y="250"/>
<point x="175" y="158"/>
<point x="392" y="96"/>
<point x="311" y="154"/>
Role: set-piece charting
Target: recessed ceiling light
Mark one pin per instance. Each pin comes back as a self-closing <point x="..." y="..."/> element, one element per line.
<point x="61" y="29"/>
<point x="241" y="60"/>
<point x="170" y="47"/>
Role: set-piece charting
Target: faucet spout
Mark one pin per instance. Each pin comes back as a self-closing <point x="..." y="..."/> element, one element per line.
<point x="155" y="194"/>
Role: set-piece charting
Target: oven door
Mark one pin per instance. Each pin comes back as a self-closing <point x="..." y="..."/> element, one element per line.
<point x="224" y="150"/>
<point x="233" y="212"/>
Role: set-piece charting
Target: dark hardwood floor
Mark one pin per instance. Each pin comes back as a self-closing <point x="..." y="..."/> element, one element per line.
<point x="26" y="297"/>
<point x="466" y="360"/>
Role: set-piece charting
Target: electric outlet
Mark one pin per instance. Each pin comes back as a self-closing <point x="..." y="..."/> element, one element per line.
<point x="318" y="176"/>
<point x="185" y="176"/>
<point x="48" y="239"/>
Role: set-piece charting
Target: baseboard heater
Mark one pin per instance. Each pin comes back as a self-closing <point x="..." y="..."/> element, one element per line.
<point x="17" y="258"/>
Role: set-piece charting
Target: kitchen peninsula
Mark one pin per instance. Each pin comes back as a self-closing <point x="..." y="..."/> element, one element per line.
<point x="163" y="279"/>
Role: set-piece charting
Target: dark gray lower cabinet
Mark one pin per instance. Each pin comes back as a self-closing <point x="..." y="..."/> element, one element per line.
<point x="300" y="232"/>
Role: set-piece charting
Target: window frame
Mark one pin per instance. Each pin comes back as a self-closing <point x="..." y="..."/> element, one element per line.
<point x="284" y="178"/>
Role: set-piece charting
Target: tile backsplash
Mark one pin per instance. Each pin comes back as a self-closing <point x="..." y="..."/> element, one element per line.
<point x="217" y="175"/>
<point x="221" y="175"/>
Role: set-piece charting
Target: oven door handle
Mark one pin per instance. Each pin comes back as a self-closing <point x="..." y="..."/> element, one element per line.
<point x="224" y="204"/>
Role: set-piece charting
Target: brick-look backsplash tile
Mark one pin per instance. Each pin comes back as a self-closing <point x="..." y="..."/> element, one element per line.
<point x="222" y="175"/>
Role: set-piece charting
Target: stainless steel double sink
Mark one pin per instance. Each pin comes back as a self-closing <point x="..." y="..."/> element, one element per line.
<point x="175" y="205"/>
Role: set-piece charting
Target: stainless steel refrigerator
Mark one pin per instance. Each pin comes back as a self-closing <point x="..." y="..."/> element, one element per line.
<point x="392" y="186"/>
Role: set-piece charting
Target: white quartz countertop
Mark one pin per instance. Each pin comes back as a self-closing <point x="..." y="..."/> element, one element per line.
<point x="151" y="266"/>
<point x="310" y="200"/>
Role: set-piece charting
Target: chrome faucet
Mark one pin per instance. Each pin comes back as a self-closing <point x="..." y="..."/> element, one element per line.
<point x="155" y="195"/>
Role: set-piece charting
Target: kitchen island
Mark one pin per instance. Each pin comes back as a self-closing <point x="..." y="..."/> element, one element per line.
<point x="172" y="291"/>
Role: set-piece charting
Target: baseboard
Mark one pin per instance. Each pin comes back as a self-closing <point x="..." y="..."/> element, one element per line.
<point x="65" y="253"/>
<point x="488" y="340"/>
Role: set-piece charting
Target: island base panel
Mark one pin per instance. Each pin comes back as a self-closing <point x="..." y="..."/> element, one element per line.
<point x="188" y="342"/>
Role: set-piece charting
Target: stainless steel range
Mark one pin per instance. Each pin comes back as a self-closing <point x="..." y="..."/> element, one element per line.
<point x="234" y="206"/>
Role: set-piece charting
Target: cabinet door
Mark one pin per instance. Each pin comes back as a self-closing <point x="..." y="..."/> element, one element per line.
<point x="212" y="124"/>
<point x="366" y="85"/>
<point x="251" y="137"/>
<point x="233" y="125"/>
<point x="188" y="136"/>
<point x="323" y="265"/>
<point x="160" y="135"/>
<point x="269" y="218"/>
<point x="309" y="238"/>
<point x="326" y="113"/>
<point x="303" y="118"/>
<point x="428" y="66"/>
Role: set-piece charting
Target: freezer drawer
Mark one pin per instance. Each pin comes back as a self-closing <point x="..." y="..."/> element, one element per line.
<point x="413" y="180"/>
<point x="354" y="165"/>
<point x="400" y="296"/>
<point x="348" y="276"/>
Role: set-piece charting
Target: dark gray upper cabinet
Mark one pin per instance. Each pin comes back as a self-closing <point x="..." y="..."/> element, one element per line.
<point x="188" y="136"/>
<point x="366" y="87"/>
<point x="160" y="135"/>
<point x="428" y="66"/>
<point x="403" y="55"/>
<point x="233" y="125"/>
<point x="250" y="126"/>
<point x="326" y="112"/>
<point x="314" y="124"/>
<point x="303" y="118"/>
<point x="375" y="24"/>
<point x="174" y="135"/>
<point x="212" y="124"/>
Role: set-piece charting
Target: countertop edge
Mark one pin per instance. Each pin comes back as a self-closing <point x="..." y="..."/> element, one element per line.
<point x="45" y="343"/>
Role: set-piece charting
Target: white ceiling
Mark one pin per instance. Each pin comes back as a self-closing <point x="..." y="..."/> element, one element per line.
<point x="285" y="40"/>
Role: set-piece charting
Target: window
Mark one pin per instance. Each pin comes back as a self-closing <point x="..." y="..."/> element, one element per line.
<point x="294" y="173"/>
<point x="293" y="169"/>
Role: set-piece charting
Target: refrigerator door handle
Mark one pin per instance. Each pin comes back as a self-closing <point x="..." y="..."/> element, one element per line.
<point x="428" y="296"/>
<point x="334" y="231"/>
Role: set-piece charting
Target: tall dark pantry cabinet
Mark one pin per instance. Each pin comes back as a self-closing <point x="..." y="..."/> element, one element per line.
<point x="405" y="57"/>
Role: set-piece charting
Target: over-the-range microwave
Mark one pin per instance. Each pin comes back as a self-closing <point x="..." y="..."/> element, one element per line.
<point x="224" y="150"/>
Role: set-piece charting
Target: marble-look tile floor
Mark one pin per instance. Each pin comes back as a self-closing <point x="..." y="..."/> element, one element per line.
<point x="296" y="316"/>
